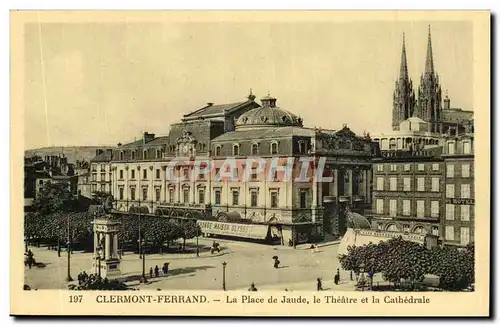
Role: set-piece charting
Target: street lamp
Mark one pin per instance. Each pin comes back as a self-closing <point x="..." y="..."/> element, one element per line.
<point x="99" y="257"/>
<point x="58" y="241"/>
<point x="143" y="277"/>
<point x="362" y="276"/>
<point x="69" y="278"/>
<point x="197" y="245"/>
<point x="224" y="276"/>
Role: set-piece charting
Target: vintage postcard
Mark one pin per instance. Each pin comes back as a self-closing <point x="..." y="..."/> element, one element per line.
<point x="250" y="163"/>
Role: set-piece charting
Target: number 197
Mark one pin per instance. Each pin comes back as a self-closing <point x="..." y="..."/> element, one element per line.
<point x="76" y="298"/>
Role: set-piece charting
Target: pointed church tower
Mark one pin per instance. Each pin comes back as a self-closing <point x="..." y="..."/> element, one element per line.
<point x="429" y="92"/>
<point x="404" y="97"/>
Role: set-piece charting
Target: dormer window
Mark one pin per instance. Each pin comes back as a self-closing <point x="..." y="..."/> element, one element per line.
<point x="158" y="153"/>
<point x="274" y="148"/>
<point x="121" y="156"/>
<point x="133" y="155"/>
<point x="255" y="149"/>
<point x="217" y="150"/>
<point x="145" y="154"/>
<point x="236" y="149"/>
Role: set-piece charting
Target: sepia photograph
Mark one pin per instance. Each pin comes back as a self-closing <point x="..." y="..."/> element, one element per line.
<point x="225" y="153"/>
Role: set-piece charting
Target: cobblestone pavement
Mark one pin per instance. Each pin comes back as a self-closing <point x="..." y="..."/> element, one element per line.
<point x="246" y="263"/>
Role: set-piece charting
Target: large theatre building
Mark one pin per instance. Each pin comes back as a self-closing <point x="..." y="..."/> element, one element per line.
<point x="246" y="170"/>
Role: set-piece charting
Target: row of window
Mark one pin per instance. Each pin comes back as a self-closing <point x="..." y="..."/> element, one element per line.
<point x="394" y="167"/>
<point x="103" y="177"/>
<point x="144" y="174"/>
<point x="393" y="184"/>
<point x="450" y="170"/>
<point x="466" y="147"/>
<point x="406" y="228"/>
<point x="449" y="234"/>
<point x="464" y="191"/>
<point x="235" y="195"/>
<point x="464" y="212"/>
<point x="406" y="208"/>
<point x="159" y="153"/>
<point x="253" y="151"/>
<point x="253" y="174"/>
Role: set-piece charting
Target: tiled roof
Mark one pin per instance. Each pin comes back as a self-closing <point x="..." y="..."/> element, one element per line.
<point x="135" y="143"/>
<point x="103" y="157"/>
<point x="261" y="133"/>
<point x="216" y="109"/>
<point x="157" y="141"/>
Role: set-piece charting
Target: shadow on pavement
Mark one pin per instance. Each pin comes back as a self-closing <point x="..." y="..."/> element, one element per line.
<point x="187" y="270"/>
<point x="172" y="272"/>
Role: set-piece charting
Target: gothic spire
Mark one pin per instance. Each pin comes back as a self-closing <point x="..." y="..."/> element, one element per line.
<point x="403" y="71"/>
<point x="429" y="63"/>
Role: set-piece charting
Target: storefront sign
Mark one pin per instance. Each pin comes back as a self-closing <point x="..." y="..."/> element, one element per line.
<point x="250" y="231"/>
<point x="460" y="201"/>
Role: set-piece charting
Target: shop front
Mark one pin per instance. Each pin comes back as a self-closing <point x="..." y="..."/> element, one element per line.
<point x="237" y="230"/>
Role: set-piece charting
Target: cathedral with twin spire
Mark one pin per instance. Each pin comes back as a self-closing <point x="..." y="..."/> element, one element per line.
<point x="427" y="104"/>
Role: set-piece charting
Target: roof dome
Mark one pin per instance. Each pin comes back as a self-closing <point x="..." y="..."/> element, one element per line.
<point x="268" y="115"/>
<point x="357" y="221"/>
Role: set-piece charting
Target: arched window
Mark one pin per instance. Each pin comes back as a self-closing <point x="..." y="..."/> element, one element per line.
<point x="121" y="156"/>
<point x="236" y="150"/>
<point x="217" y="150"/>
<point x="133" y="155"/>
<point x="274" y="148"/>
<point x="255" y="149"/>
<point x="158" y="153"/>
<point x="145" y="154"/>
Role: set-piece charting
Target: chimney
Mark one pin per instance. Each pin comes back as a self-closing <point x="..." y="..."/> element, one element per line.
<point x="109" y="153"/>
<point x="148" y="137"/>
<point x="446" y="101"/>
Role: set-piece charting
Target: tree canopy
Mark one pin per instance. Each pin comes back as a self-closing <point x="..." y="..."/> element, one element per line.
<point x="398" y="259"/>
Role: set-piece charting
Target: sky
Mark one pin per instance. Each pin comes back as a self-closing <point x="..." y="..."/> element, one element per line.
<point x="104" y="83"/>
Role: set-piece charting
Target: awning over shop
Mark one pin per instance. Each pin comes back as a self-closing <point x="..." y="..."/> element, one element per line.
<point x="249" y="231"/>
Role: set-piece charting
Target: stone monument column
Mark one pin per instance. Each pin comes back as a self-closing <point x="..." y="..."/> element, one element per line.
<point x="108" y="264"/>
<point x="107" y="246"/>
<point x="115" y="246"/>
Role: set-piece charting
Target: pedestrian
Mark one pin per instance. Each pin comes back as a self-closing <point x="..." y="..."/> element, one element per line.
<point x="252" y="287"/>
<point x="165" y="268"/>
<point x="336" y="279"/>
<point x="276" y="263"/>
<point x="157" y="271"/>
<point x="320" y="285"/>
<point x="350" y="275"/>
<point x="338" y="273"/>
<point x="151" y="272"/>
<point x="30" y="258"/>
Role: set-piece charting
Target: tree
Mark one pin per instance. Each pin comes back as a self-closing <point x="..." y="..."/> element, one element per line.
<point x="53" y="198"/>
<point x="95" y="282"/>
<point x="398" y="260"/>
<point x="188" y="230"/>
<point x="455" y="267"/>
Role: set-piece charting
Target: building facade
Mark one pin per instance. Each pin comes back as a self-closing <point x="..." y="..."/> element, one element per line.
<point x="408" y="192"/>
<point x="100" y="171"/>
<point x="144" y="178"/>
<point x="458" y="224"/>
